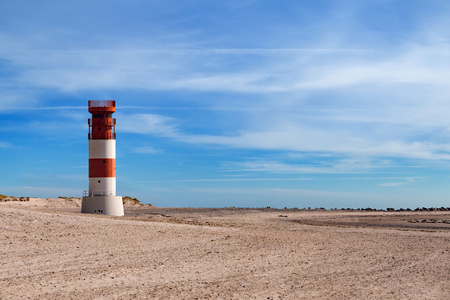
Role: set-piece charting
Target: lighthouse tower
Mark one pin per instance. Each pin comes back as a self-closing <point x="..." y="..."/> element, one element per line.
<point x="101" y="198"/>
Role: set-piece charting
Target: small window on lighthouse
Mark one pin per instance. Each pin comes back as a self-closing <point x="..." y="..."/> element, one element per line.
<point x="104" y="161"/>
<point x="99" y="181"/>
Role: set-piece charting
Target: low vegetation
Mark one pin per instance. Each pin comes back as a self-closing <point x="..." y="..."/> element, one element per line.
<point x="127" y="200"/>
<point x="4" y="198"/>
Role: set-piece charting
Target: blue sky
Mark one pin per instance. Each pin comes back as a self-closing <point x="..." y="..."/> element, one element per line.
<point x="231" y="103"/>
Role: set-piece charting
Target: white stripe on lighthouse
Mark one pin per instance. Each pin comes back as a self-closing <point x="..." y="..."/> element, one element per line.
<point x="102" y="149"/>
<point x="102" y="186"/>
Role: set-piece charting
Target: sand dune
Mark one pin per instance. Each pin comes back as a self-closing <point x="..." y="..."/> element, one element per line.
<point x="52" y="251"/>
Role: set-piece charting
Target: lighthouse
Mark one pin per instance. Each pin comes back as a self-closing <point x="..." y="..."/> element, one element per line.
<point x="101" y="197"/>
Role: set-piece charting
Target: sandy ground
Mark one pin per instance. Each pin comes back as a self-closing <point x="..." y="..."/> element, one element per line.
<point x="51" y="251"/>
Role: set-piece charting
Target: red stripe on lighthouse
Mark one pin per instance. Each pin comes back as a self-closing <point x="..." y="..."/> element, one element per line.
<point x="102" y="167"/>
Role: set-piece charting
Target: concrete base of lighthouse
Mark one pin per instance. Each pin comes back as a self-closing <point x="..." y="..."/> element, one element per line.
<point x="104" y="205"/>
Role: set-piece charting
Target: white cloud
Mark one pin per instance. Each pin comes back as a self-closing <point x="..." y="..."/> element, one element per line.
<point x="148" y="124"/>
<point x="6" y="145"/>
<point x="271" y="71"/>
<point x="333" y="165"/>
<point x="415" y="64"/>
<point x="300" y="137"/>
<point x="233" y="180"/>
<point x="147" y="150"/>
<point x="12" y="98"/>
<point x="392" y="184"/>
<point x="323" y="141"/>
<point x="278" y="167"/>
<point x="407" y="180"/>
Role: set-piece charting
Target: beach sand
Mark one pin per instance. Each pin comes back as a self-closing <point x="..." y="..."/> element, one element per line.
<point x="51" y="251"/>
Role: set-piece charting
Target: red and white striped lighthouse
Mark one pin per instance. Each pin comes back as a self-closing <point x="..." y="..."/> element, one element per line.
<point x="102" y="198"/>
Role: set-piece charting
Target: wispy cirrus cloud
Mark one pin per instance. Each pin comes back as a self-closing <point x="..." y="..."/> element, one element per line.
<point x="6" y="145"/>
<point x="147" y="150"/>
<point x="321" y="141"/>
<point x="295" y="137"/>
<point x="149" y="124"/>
<point x="233" y="180"/>
<point x="147" y="70"/>
<point x="273" y="70"/>
<point x="397" y="183"/>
